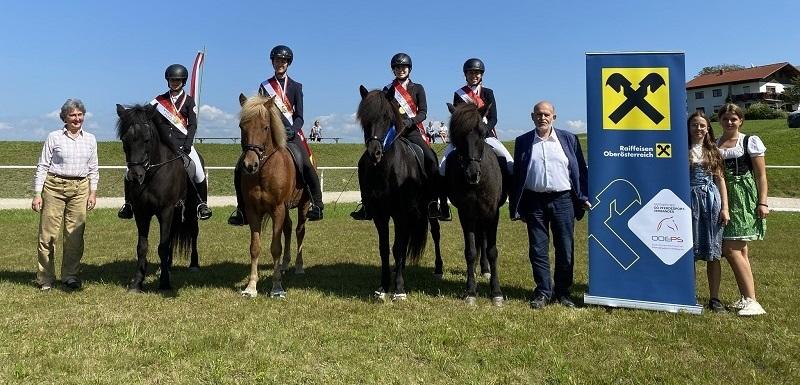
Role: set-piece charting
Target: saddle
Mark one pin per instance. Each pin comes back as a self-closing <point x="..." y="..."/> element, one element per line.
<point x="297" y="160"/>
<point x="416" y="150"/>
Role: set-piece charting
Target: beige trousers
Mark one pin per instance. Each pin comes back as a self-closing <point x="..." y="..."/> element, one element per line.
<point x="63" y="211"/>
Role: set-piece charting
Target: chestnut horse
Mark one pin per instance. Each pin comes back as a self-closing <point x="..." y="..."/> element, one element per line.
<point x="270" y="186"/>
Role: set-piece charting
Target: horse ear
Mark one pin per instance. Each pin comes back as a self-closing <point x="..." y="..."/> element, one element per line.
<point x="451" y="108"/>
<point x="363" y="91"/>
<point x="120" y="110"/>
<point x="485" y="109"/>
<point x="242" y="99"/>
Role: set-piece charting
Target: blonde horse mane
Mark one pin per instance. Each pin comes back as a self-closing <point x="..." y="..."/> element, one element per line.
<point x="264" y="109"/>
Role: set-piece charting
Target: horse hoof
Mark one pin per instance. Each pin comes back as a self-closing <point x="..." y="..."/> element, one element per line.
<point x="438" y="276"/>
<point x="399" y="297"/>
<point x="379" y="295"/>
<point x="299" y="271"/>
<point x="194" y="269"/>
<point x="497" y="301"/>
<point x="470" y="300"/>
<point x="486" y="275"/>
<point x="280" y="294"/>
<point x="249" y="293"/>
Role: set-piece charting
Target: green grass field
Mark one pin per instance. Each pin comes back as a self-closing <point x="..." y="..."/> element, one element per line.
<point x="782" y="144"/>
<point x="328" y="332"/>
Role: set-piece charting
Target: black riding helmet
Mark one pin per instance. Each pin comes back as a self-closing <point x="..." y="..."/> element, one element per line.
<point x="283" y="52"/>
<point x="401" y="59"/>
<point x="176" y="71"/>
<point x="474" y="64"/>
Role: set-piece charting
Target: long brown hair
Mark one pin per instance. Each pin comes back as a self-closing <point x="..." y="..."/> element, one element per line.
<point x="711" y="156"/>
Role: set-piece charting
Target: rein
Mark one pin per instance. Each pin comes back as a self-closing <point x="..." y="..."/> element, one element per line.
<point x="260" y="152"/>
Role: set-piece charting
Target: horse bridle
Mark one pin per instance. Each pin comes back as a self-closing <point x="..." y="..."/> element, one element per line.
<point x="260" y="152"/>
<point x="145" y="163"/>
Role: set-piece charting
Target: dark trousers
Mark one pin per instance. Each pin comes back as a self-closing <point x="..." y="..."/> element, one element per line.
<point x="545" y="212"/>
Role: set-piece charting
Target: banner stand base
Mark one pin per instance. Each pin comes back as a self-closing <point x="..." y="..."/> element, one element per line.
<point x="634" y="304"/>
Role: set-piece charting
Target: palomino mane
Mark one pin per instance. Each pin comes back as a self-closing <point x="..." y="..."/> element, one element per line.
<point x="463" y="120"/>
<point x="138" y="113"/>
<point x="374" y="107"/>
<point x="264" y="109"/>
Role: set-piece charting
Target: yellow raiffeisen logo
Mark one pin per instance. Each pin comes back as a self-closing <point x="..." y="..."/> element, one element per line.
<point x="636" y="98"/>
<point x="663" y="150"/>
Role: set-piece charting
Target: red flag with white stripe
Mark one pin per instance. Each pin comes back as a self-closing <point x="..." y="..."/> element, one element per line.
<point x="197" y="69"/>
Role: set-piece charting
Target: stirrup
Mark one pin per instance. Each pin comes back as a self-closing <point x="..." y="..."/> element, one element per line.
<point x="126" y="211"/>
<point x="237" y="218"/>
<point x="203" y="214"/>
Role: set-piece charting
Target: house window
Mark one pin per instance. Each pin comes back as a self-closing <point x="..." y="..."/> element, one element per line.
<point x="701" y="109"/>
<point x="746" y="89"/>
<point x="771" y="89"/>
<point x="716" y="93"/>
<point x="699" y="95"/>
<point x="716" y="109"/>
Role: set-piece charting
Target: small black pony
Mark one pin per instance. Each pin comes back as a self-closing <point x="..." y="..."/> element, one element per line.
<point x="394" y="187"/>
<point x="474" y="182"/>
<point x="157" y="185"/>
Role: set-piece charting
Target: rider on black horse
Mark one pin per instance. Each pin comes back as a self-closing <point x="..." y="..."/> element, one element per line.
<point x="414" y="110"/>
<point x="179" y="125"/>
<point x="288" y="95"/>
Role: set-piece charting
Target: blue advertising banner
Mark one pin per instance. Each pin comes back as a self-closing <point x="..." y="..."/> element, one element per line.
<point x="640" y="226"/>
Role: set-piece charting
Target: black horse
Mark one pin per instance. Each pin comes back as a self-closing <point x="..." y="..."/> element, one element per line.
<point x="394" y="187"/>
<point x="157" y="185"/>
<point x="474" y="183"/>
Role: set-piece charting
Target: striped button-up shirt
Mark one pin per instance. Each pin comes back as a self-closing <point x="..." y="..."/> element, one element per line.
<point x="68" y="157"/>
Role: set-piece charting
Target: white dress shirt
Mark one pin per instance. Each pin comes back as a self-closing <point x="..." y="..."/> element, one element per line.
<point x="548" y="170"/>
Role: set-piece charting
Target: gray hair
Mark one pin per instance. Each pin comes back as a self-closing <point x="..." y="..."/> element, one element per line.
<point x="69" y="105"/>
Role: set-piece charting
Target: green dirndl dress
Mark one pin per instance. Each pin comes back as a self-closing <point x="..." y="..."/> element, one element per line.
<point x="745" y="225"/>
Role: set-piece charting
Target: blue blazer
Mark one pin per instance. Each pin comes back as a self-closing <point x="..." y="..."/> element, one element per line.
<point x="294" y="92"/>
<point x="577" y="170"/>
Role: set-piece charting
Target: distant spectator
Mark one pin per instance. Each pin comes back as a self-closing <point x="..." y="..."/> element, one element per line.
<point x="443" y="133"/>
<point x="316" y="132"/>
<point x="431" y="132"/>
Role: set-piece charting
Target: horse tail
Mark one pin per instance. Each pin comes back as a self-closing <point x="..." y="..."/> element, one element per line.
<point x="418" y="235"/>
<point x="185" y="224"/>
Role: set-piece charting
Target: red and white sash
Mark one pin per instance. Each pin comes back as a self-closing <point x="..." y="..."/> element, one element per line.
<point x="407" y="104"/>
<point x="469" y="95"/>
<point x="169" y="110"/>
<point x="274" y="88"/>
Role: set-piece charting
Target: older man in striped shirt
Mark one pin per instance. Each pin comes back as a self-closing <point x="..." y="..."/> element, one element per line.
<point x="65" y="188"/>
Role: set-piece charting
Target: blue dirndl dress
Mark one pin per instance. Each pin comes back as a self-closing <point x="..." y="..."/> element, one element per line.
<point x="706" y="205"/>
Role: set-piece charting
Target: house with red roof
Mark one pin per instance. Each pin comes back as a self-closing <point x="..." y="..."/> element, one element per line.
<point x="761" y="84"/>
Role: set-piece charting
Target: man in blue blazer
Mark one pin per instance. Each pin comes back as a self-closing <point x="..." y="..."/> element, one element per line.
<point x="549" y="191"/>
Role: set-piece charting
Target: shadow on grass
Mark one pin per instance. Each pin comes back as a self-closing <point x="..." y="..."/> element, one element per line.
<point x="345" y="280"/>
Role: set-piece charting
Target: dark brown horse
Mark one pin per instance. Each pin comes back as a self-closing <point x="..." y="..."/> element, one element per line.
<point x="475" y="186"/>
<point x="394" y="187"/>
<point x="271" y="189"/>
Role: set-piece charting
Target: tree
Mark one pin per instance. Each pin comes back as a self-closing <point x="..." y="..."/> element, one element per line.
<point x="792" y="94"/>
<point x="716" y="68"/>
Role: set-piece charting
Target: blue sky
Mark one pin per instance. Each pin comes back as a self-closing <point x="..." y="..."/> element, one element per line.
<point x="108" y="52"/>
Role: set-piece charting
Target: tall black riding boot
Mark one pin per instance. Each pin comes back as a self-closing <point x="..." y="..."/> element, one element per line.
<point x="237" y="217"/>
<point x="203" y="211"/>
<point x="126" y="211"/>
<point x="361" y="213"/>
<point x="312" y="183"/>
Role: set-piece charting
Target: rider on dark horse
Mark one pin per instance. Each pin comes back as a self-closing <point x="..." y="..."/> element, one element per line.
<point x="414" y="110"/>
<point x="179" y="125"/>
<point x="474" y="92"/>
<point x="288" y="95"/>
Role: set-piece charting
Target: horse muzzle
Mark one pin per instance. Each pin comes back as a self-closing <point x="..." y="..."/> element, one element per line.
<point x="473" y="173"/>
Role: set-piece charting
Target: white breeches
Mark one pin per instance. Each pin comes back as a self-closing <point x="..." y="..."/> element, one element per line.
<point x="195" y="170"/>
<point x="496" y="145"/>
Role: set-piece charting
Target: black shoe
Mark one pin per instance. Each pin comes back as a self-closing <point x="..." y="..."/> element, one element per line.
<point x="361" y="214"/>
<point x="314" y="213"/>
<point x="237" y="218"/>
<point x="565" y="301"/>
<point x="72" y="284"/>
<point x="716" y="305"/>
<point x="433" y="210"/>
<point x="444" y="212"/>
<point x="203" y="211"/>
<point x="126" y="211"/>
<point x="538" y="302"/>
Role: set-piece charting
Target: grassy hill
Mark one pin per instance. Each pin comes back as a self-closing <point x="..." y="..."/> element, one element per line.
<point x="782" y="144"/>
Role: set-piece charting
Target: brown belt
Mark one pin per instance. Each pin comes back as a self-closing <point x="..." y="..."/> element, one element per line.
<point x="66" y="177"/>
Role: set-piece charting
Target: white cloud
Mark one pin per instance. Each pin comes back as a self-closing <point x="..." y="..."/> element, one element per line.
<point x="211" y="114"/>
<point x="342" y="126"/>
<point x="5" y="126"/>
<point x="216" y="122"/>
<point x="576" y="126"/>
